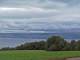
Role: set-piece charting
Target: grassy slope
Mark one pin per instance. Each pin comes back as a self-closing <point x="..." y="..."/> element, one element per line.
<point x="36" y="54"/>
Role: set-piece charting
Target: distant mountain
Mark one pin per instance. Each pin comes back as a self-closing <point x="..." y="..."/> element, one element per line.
<point x="40" y="35"/>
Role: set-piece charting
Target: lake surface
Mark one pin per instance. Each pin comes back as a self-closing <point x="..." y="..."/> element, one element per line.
<point x="69" y="40"/>
<point x="13" y="42"/>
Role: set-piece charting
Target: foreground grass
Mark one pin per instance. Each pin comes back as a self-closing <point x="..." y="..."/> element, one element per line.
<point x="36" y="54"/>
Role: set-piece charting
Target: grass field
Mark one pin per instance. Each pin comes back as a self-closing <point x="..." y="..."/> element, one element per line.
<point x="36" y="54"/>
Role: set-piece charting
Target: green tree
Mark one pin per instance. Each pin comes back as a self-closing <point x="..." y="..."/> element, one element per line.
<point x="78" y="44"/>
<point x="73" y="44"/>
<point x="50" y="41"/>
<point x="53" y="47"/>
<point x="5" y="48"/>
<point x="57" y="40"/>
<point x="77" y="48"/>
<point x="26" y="46"/>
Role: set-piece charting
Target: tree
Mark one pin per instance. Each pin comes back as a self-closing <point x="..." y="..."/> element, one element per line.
<point x="40" y="45"/>
<point x="50" y="41"/>
<point x="64" y="49"/>
<point x="26" y="46"/>
<point x="53" y="47"/>
<point x="73" y="44"/>
<point x="78" y="44"/>
<point x="77" y="48"/>
<point x="57" y="41"/>
<point x="5" y="48"/>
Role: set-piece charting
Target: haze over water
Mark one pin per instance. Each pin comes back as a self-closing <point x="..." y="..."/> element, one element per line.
<point x="13" y="42"/>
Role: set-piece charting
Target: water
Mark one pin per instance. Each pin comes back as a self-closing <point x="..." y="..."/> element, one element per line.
<point x="69" y="40"/>
<point x="13" y="42"/>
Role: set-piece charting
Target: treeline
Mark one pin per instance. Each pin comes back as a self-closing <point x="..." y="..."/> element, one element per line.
<point x="54" y="43"/>
<point x="57" y="43"/>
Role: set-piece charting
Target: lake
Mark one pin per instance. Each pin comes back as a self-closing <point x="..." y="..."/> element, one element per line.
<point x="69" y="40"/>
<point x="13" y="42"/>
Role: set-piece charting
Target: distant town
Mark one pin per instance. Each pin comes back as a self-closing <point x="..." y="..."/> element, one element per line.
<point x="40" y="35"/>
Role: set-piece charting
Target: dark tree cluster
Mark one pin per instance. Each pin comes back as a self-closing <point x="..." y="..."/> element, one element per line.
<point x="54" y="43"/>
<point x="57" y="43"/>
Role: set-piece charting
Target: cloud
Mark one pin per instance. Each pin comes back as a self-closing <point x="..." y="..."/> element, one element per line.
<point x="39" y="15"/>
<point x="26" y="12"/>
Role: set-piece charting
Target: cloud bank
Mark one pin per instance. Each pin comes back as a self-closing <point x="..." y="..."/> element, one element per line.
<point x="39" y="16"/>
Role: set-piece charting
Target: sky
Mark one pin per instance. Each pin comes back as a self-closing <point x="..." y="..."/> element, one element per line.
<point x="39" y="16"/>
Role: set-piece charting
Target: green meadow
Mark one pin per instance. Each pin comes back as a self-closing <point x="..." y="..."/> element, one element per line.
<point x="36" y="54"/>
